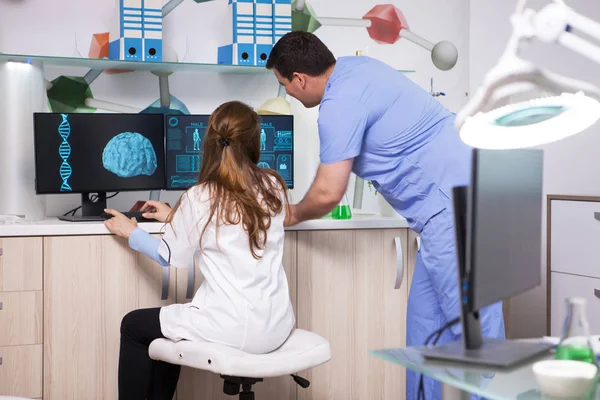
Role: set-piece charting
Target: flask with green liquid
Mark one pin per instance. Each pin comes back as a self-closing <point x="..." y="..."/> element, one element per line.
<point x="574" y="342"/>
<point x="342" y="210"/>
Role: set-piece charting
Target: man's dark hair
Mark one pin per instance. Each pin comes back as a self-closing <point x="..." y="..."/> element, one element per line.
<point x="301" y="52"/>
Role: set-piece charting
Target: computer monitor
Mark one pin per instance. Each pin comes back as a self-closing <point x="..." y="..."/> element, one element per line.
<point x="185" y="136"/>
<point x="91" y="153"/>
<point x="498" y="226"/>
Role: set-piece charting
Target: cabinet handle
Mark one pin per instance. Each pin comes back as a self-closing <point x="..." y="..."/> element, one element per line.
<point x="0" y="360"/>
<point x="165" y="283"/>
<point x="399" y="261"/>
<point x="418" y="240"/>
<point x="596" y="293"/>
<point x="1" y="251"/>
<point x="1" y="305"/>
<point x="190" y="281"/>
<point x="597" y="216"/>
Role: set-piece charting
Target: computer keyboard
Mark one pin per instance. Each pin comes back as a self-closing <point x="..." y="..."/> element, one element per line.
<point x="130" y="214"/>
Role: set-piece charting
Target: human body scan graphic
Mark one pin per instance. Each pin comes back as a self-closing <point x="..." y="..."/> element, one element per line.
<point x="263" y="140"/>
<point x="196" y="140"/>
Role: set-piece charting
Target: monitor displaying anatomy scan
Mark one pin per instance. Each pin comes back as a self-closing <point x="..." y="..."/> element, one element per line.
<point x="185" y="136"/>
<point x="98" y="153"/>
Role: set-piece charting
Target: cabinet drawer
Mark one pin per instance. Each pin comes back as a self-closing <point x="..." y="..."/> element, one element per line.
<point x="20" y="264"/>
<point x="21" y="318"/>
<point x="564" y="286"/>
<point x="575" y="235"/>
<point x="21" y="371"/>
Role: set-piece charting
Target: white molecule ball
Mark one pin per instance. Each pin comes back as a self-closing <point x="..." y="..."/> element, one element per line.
<point x="444" y="55"/>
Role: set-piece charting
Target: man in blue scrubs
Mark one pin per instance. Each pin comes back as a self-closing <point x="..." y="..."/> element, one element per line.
<point x="375" y="122"/>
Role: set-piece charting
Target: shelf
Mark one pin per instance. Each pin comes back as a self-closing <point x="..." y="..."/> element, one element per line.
<point x="95" y="63"/>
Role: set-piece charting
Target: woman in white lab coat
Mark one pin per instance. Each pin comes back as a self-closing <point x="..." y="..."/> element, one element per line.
<point x="231" y="221"/>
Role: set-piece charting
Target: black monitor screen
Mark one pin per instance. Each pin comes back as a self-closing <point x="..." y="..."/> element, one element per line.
<point x="504" y="224"/>
<point x="94" y="152"/>
<point x="185" y="135"/>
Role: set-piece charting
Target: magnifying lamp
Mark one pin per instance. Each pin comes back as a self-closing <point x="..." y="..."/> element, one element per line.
<point x="503" y="115"/>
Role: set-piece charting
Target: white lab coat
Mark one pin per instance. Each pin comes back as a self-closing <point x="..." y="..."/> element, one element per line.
<point x="243" y="302"/>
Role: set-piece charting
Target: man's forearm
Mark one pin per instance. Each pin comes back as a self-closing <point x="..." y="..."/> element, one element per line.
<point x="324" y="194"/>
<point x="315" y="204"/>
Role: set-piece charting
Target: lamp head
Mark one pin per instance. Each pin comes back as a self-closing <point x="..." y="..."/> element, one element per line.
<point x="520" y="105"/>
<point x="531" y="123"/>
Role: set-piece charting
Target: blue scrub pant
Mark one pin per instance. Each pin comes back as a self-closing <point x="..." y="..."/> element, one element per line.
<point x="434" y="298"/>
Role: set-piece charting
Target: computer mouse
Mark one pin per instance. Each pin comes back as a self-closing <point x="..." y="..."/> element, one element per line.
<point x="149" y="210"/>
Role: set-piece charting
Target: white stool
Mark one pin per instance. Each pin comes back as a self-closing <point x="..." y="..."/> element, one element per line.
<point x="239" y="370"/>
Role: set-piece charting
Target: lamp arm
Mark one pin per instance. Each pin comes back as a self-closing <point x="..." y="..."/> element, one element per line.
<point x="583" y="23"/>
<point x="580" y="46"/>
<point x="556" y="22"/>
<point x="509" y="71"/>
<point x="560" y="84"/>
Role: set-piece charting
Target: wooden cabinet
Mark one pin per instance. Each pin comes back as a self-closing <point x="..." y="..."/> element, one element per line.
<point x="346" y="294"/>
<point x="573" y="230"/>
<point x="20" y="264"/>
<point x="90" y="283"/>
<point x="20" y="318"/>
<point x="570" y="285"/>
<point x="414" y="245"/>
<point x="21" y="310"/>
<point x="204" y="385"/>
<point x="64" y="331"/>
<point x="21" y="371"/>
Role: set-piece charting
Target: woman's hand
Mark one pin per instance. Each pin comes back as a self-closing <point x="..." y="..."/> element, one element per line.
<point x="119" y="224"/>
<point x="156" y="209"/>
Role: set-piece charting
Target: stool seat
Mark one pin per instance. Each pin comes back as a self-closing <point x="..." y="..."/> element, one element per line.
<point x="301" y="351"/>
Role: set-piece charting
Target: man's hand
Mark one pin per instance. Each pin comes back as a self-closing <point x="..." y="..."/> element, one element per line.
<point x="325" y="193"/>
<point x="290" y="216"/>
<point x="119" y="224"/>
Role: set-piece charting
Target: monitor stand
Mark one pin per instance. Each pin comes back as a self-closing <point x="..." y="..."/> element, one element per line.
<point x="475" y="349"/>
<point x="90" y="211"/>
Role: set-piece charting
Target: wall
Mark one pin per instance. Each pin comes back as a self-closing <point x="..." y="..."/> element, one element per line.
<point x="570" y="166"/>
<point x="64" y="27"/>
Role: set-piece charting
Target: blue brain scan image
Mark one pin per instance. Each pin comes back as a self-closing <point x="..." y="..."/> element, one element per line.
<point x="129" y="154"/>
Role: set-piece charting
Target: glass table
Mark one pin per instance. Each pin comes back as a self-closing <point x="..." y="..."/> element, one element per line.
<point x="495" y="384"/>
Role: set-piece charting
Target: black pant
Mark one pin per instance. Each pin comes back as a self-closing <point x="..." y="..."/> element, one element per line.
<point x="140" y="377"/>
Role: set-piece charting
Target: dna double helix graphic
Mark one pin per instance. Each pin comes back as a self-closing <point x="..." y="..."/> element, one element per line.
<point x="182" y="182"/>
<point x="64" y="150"/>
<point x="195" y="164"/>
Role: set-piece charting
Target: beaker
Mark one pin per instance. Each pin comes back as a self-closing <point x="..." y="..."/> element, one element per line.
<point x="342" y="210"/>
<point x="574" y="341"/>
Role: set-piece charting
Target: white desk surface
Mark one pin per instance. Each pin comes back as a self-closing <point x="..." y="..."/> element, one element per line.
<point x="56" y="227"/>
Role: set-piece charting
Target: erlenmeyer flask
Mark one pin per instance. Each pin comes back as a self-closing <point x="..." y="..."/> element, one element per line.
<point x="574" y="342"/>
<point x="342" y="210"/>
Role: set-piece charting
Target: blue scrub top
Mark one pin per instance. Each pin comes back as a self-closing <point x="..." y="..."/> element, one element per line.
<point x="401" y="138"/>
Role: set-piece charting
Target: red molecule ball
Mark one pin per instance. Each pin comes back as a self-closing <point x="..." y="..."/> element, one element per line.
<point x="386" y="23"/>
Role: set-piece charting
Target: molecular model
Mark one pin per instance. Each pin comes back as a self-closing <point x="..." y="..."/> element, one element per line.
<point x="385" y="23"/>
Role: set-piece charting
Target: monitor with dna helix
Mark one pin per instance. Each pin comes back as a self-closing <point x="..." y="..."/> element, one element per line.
<point x="185" y="136"/>
<point x="95" y="153"/>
